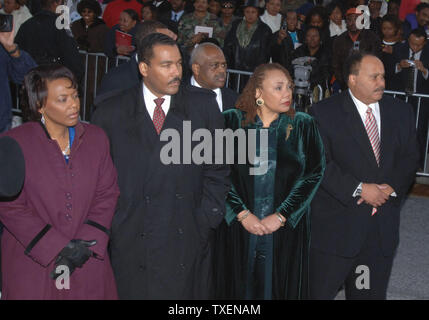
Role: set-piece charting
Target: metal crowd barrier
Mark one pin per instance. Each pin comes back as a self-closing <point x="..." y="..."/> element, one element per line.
<point x="234" y="80"/>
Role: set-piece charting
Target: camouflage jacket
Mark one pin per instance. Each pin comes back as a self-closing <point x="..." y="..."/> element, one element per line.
<point x="187" y="28"/>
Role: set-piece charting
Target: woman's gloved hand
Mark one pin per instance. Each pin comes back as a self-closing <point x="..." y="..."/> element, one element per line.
<point x="74" y="254"/>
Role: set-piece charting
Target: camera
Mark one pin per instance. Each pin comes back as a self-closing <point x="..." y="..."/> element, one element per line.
<point x="302" y="71"/>
<point x="284" y="25"/>
<point x="411" y="63"/>
<point x="6" y="22"/>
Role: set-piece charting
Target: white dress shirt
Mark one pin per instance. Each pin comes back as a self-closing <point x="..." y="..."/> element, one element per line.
<point x="217" y="91"/>
<point x="362" y="107"/>
<point x="149" y="98"/>
<point x="177" y="14"/>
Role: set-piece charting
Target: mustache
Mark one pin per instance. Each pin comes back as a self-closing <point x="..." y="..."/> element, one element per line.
<point x="220" y="76"/>
<point x="177" y="79"/>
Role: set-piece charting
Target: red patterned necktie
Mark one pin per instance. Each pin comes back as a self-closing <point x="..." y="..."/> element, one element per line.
<point x="374" y="138"/>
<point x="372" y="131"/>
<point x="158" y="115"/>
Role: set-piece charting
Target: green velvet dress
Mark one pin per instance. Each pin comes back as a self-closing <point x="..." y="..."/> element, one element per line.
<point x="272" y="266"/>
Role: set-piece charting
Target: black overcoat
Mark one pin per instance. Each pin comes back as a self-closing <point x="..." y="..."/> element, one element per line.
<point x="160" y="246"/>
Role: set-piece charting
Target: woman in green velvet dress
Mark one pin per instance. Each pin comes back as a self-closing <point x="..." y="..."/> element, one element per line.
<point x="262" y="248"/>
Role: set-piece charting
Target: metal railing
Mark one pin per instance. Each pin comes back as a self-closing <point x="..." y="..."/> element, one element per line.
<point x="234" y="80"/>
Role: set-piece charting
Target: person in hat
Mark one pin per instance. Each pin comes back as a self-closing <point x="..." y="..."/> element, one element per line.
<point x="227" y="16"/>
<point x="356" y="38"/>
<point x="247" y="44"/>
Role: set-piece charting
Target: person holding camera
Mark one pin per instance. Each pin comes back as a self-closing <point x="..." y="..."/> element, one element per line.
<point x="14" y="64"/>
<point x="411" y="68"/>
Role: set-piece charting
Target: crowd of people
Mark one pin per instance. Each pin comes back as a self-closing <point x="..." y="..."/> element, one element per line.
<point x="102" y="200"/>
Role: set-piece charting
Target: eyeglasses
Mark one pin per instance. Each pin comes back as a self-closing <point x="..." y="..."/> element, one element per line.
<point x="227" y="6"/>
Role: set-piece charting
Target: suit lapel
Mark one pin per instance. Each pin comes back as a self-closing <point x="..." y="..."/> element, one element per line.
<point x="357" y="129"/>
<point x="386" y="132"/>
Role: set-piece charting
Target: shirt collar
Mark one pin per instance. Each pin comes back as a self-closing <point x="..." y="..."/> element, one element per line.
<point x="196" y="84"/>
<point x="362" y="107"/>
<point x="150" y="96"/>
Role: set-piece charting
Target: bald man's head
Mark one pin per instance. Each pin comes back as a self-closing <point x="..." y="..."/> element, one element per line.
<point x="209" y="66"/>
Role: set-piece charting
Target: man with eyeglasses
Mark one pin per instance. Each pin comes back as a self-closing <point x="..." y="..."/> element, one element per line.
<point x="209" y="71"/>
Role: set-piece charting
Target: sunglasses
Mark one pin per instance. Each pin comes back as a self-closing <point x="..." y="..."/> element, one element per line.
<point x="227" y="6"/>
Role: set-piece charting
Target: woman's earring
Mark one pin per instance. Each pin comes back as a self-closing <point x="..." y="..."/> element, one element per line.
<point x="42" y="119"/>
<point x="259" y="102"/>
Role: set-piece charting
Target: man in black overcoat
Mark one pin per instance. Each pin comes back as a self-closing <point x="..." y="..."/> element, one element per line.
<point x="160" y="244"/>
<point x="371" y="161"/>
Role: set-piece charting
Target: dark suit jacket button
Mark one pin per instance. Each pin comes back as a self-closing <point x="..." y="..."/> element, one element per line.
<point x="142" y="268"/>
<point x="147" y="198"/>
<point x="215" y="209"/>
<point x="179" y="196"/>
<point x="180" y="230"/>
<point x="182" y="266"/>
<point x="142" y="234"/>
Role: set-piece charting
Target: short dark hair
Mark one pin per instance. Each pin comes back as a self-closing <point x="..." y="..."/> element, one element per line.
<point x="91" y="5"/>
<point x="421" y="6"/>
<point x="418" y="33"/>
<point x="331" y="7"/>
<point x="318" y="11"/>
<point x="152" y="8"/>
<point x="46" y="4"/>
<point x="315" y="28"/>
<point x="134" y="15"/>
<point x="35" y="91"/>
<point x="145" y="46"/>
<point x="352" y="63"/>
<point x="393" y="20"/>
<point x="146" y="28"/>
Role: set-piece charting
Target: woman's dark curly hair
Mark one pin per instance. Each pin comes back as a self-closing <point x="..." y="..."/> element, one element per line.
<point x="35" y="89"/>
<point x="247" y="101"/>
<point x="92" y="5"/>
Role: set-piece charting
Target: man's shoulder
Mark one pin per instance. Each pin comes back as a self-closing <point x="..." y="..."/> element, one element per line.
<point x="229" y="92"/>
<point x="118" y="100"/>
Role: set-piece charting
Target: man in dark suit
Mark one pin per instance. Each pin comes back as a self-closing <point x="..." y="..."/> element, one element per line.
<point x="171" y="18"/>
<point x="414" y="77"/>
<point x="209" y="71"/>
<point x="162" y="229"/>
<point x="371" y="160"/>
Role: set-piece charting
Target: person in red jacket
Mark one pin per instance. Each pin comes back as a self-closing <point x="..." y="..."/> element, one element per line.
<point x="113" y="10"/>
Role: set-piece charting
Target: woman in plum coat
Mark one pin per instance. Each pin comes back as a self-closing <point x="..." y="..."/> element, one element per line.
<point x="61" y="219"/>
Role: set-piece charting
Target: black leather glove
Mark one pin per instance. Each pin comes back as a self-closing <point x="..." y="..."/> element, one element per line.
<point x="74" y="254"/>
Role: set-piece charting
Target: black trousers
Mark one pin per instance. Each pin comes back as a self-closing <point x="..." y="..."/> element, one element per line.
<point x="328" y="273"/>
